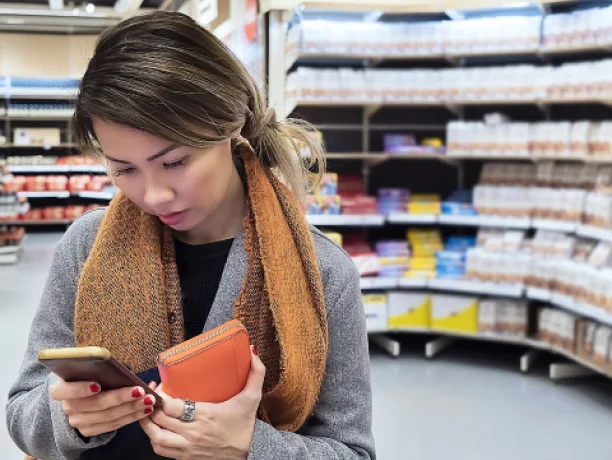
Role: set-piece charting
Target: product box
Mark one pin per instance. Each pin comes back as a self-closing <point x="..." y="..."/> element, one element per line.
<point x="487" y="317"/>
<point x="335" y="237"/>
<point x="375" y="306"/>
<point x="409" y="309"/>
<point x="424" y="204"/>
<point x="454" y="313"/>
<point x="328" y="185"/>
<point x="36" y="136"/>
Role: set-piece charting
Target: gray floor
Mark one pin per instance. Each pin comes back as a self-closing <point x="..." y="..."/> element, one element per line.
<point x="469" y="403"/>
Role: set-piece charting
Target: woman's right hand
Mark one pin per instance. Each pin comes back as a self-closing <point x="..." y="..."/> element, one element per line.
<point x="94" y="412"/>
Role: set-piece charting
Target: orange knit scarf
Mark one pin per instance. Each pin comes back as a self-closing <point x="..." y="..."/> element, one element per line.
<point x="129" y="292"/>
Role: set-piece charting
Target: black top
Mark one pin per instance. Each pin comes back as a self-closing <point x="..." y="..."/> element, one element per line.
<point x="200" y="268"/>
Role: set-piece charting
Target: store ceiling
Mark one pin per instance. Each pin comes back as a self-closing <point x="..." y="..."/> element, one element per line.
<point x="69" y="16"/>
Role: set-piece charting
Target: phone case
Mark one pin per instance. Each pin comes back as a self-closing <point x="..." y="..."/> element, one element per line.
<point x="92" y="364"/>
<point x="212" y="367"/>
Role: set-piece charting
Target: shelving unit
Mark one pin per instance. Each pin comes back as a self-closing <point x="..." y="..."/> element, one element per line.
<point x="353" y="131"/>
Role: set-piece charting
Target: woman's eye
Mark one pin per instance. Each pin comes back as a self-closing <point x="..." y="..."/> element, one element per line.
<point x="121" y="172"/>
<point x="176" y="164"/>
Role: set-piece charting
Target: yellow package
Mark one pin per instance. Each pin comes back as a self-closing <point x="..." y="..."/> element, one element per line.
<point x="335" y="237"/>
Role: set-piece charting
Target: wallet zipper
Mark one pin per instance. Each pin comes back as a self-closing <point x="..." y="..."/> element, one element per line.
<point x="169" y="354"/>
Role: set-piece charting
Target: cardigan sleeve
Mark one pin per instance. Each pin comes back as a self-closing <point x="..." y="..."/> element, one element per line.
<point x="341" y="426"/>
<point x="36" y="423"/>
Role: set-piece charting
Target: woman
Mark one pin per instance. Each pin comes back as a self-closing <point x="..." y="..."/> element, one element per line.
<point x="207" y="227"/>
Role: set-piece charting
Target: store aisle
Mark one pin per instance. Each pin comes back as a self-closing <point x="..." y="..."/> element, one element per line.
<point x="448" y="408"/>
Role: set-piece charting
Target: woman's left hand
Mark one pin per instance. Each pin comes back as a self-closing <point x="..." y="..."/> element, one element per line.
<point x="219" y="431"/>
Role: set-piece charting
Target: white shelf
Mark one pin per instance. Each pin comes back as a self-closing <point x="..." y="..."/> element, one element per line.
<point x="49" y="169"/>
<point x="554" y="225"/>
<point x="9" y="250"/>
<point x="581" y="308"/>
<point x="97" y="195"/>
<point x="43" y="194"/>
<point x="564" y="301"/>
<point x="540" y="294"/>
<point x="405" y="218"/>
<point x="38" y="222"/>
<point x="412" y="283"/>
<point x="463" y="221"/>
<point x="589" y="231"/>
<point x="8" y="259"/>
<point x="378" y="283"/>
<point x="37" y="94"/>
<point x="522" y="223"/>
<point x="39" y="169"/>
<point x="478" y="287"/>
<point x="347" y="220"/>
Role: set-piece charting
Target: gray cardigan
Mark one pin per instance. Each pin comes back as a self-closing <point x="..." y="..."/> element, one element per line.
<point x="340" y="427"/>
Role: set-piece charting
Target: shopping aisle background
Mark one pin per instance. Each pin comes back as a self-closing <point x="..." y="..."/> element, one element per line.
<point x="465" y="404"/>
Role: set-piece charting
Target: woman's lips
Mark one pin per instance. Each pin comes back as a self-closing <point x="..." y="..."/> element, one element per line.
<point x="173" y="219"/>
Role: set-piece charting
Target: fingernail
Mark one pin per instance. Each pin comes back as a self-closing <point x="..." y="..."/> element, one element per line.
<point x="255" y="351"/>
<point x="94" y="388"/>
<point x="136" y="393"/>
<point x="148" y="401"/>
<point x="148" y="411"/>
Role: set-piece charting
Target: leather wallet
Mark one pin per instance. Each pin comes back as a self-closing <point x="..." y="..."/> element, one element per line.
<point x="212" y="367"/>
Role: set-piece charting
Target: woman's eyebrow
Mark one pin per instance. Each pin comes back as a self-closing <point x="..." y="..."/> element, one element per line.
<point x="159" y="154"/>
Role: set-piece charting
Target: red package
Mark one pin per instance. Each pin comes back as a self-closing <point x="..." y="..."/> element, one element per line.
<point x="57" y="183"/>
<point x="78" y="183"/>
<point x="32" y="215"/>
<point x="359" y="205"/>
<point x="53" y="213"/>
<point x="72" y="212"/>
<point x="350" y="186"/>
<point x="15" y="184"/>
<point x="36" y="183"/>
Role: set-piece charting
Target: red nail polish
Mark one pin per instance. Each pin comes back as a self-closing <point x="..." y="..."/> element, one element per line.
<point x="255" y="351"/>
<point x="94" y="388"/>
<point x="148" y="401"/>
<point x="136" y="393"/>
<point x="148" y="411"/>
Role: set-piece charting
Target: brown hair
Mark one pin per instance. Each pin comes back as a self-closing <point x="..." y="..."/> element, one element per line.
<point x="163" y="74"/>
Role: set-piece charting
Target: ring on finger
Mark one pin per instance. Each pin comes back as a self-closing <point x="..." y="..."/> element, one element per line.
<point x="190" y="410"/>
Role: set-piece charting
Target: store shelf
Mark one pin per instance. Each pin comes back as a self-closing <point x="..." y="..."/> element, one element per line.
<point x="9" y="250"/>
<point x="36" y="118"/>
<point x="104" y="195"/>
<point x="378" y="283"/>
<point x="45" y="147"/>
<point x="9" y="259"/>
<point x="346" y="220"/>
<point x="580" y="308"/>
<point x="370" y="56"/>
<point x="61" y="95"/>
<point x="405" y="218"/>
<point x="43" y="169"/>
<point x="554" y="225"/>
<point x="43" y="194"/>
<point x="412" y="283"/>
<point x="38" y="222"/>
<point x="589" y="231"/>
<point x="462" y="221"/>
<point x="541" y="51"/>
<point x="522" y="223"/>
<point x="478" y="287"/>
<point x="56" y="169"/>
<point x="540" y="294"/>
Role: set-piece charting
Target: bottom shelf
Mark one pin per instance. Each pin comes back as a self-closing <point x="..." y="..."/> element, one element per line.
<point x="512" y="340"/>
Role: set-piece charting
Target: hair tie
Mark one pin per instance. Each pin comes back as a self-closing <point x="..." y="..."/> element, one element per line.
<point x="269" y="118"/>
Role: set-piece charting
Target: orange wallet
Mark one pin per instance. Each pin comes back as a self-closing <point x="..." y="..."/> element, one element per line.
<point x="212" y="367"/>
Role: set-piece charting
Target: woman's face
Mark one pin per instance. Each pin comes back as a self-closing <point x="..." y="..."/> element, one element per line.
<point x="183" y="186"/>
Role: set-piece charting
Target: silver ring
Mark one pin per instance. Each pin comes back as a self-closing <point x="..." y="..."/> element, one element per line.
<point x="190" y="410"/>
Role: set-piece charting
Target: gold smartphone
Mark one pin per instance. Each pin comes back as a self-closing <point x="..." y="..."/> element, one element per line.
<point x="92" y="364"/>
